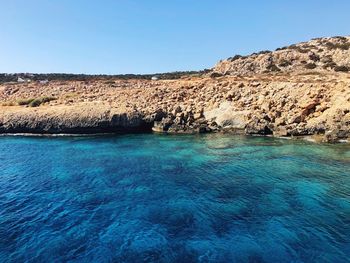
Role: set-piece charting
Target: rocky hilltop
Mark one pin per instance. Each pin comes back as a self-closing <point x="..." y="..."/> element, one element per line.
<point x="322" y="54"/>
<point x="300" y="90"/>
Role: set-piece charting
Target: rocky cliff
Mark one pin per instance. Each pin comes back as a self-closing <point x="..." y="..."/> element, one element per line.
<point x="244" y="95"/>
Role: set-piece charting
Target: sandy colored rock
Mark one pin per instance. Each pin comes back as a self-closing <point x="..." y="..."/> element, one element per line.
<point x="293" y="102"/>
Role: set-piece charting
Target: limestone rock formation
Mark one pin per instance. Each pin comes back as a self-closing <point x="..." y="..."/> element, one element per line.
<point x="227" y="117"/>
<point x="322" y="54"/>
<point x="242" y="95"/>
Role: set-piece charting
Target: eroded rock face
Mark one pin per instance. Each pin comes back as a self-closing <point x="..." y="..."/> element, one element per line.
<point x="293" y="103"/>
<point x="78" y="120"/>
<point x="227" y="116"/>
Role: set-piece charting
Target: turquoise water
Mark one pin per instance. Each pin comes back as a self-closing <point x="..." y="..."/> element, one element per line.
<point x="152" y="198"/>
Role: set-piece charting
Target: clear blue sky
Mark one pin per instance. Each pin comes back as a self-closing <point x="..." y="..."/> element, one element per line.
<point x="148" y="36"/>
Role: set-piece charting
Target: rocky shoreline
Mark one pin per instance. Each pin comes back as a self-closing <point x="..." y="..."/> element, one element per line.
<point x="257" y="118"/>
<point x="297" y="106"/>
<point x="297" y="101"/>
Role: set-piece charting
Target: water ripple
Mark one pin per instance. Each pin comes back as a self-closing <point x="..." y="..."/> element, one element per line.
<point x="148" y="198"/>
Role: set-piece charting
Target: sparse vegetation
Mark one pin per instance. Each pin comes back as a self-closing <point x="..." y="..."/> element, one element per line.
<point x="284" y="89"/>
<point x="235" y="58"/>
<point x="8" y="103"/>
<point x="310" y="66"/>
<point x="299" y="49"/>
<point x="281" y="48"/>
<point x="303" y="50"/>
<point x="23" y="102"/>
<point x="329" y="65"/>
<point x="314" y="57"/>
<point x="327" y="59"/>
<point x="284" y="63"/>
<point x="35" y="102"/>
<point x="70" y="95"/>
<point x="305" y="56"/>
<point x="273" y="68"/>
<point x="81" y="77"/>
<point x="263" y="52"/>
<point x="109" y="82"/>
<point x="341" y="38"/>
<point x="341" y="69"/>
<point x="215" y="75"/>
<point x="343" y="46"/>
<point x="328" y="62"/>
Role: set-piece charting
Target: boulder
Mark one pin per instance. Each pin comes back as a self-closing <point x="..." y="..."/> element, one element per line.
<point x="163" y="125"/>
<point x="227" y="117"/>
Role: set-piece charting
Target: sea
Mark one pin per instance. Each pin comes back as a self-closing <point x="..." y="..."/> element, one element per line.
<point x="173" y="198"/>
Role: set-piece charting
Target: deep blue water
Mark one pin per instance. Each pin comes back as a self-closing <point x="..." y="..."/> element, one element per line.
<point x="153" y="198"/>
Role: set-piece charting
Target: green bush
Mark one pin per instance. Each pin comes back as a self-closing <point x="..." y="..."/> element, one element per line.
<point x="215" y="75"/>
<point x="330" y="64"/>
<point x="284" y="63"/>
<point x="81" y="77"/>
<point x="35" y="102"/>
<point x="24" y="101"/>
<point x="231" y="59"/>
<point x="310" y="66"/>
<point x="343" y="46"/>
<point x="281" y="48"/>
<point x="314" y="57"/>
<point x="341" y="69"/>
<point x="341" y="38"/>
<point x="273" y="67"/>
<point x="264" y="52"/>
<point x="299" y="48"/>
